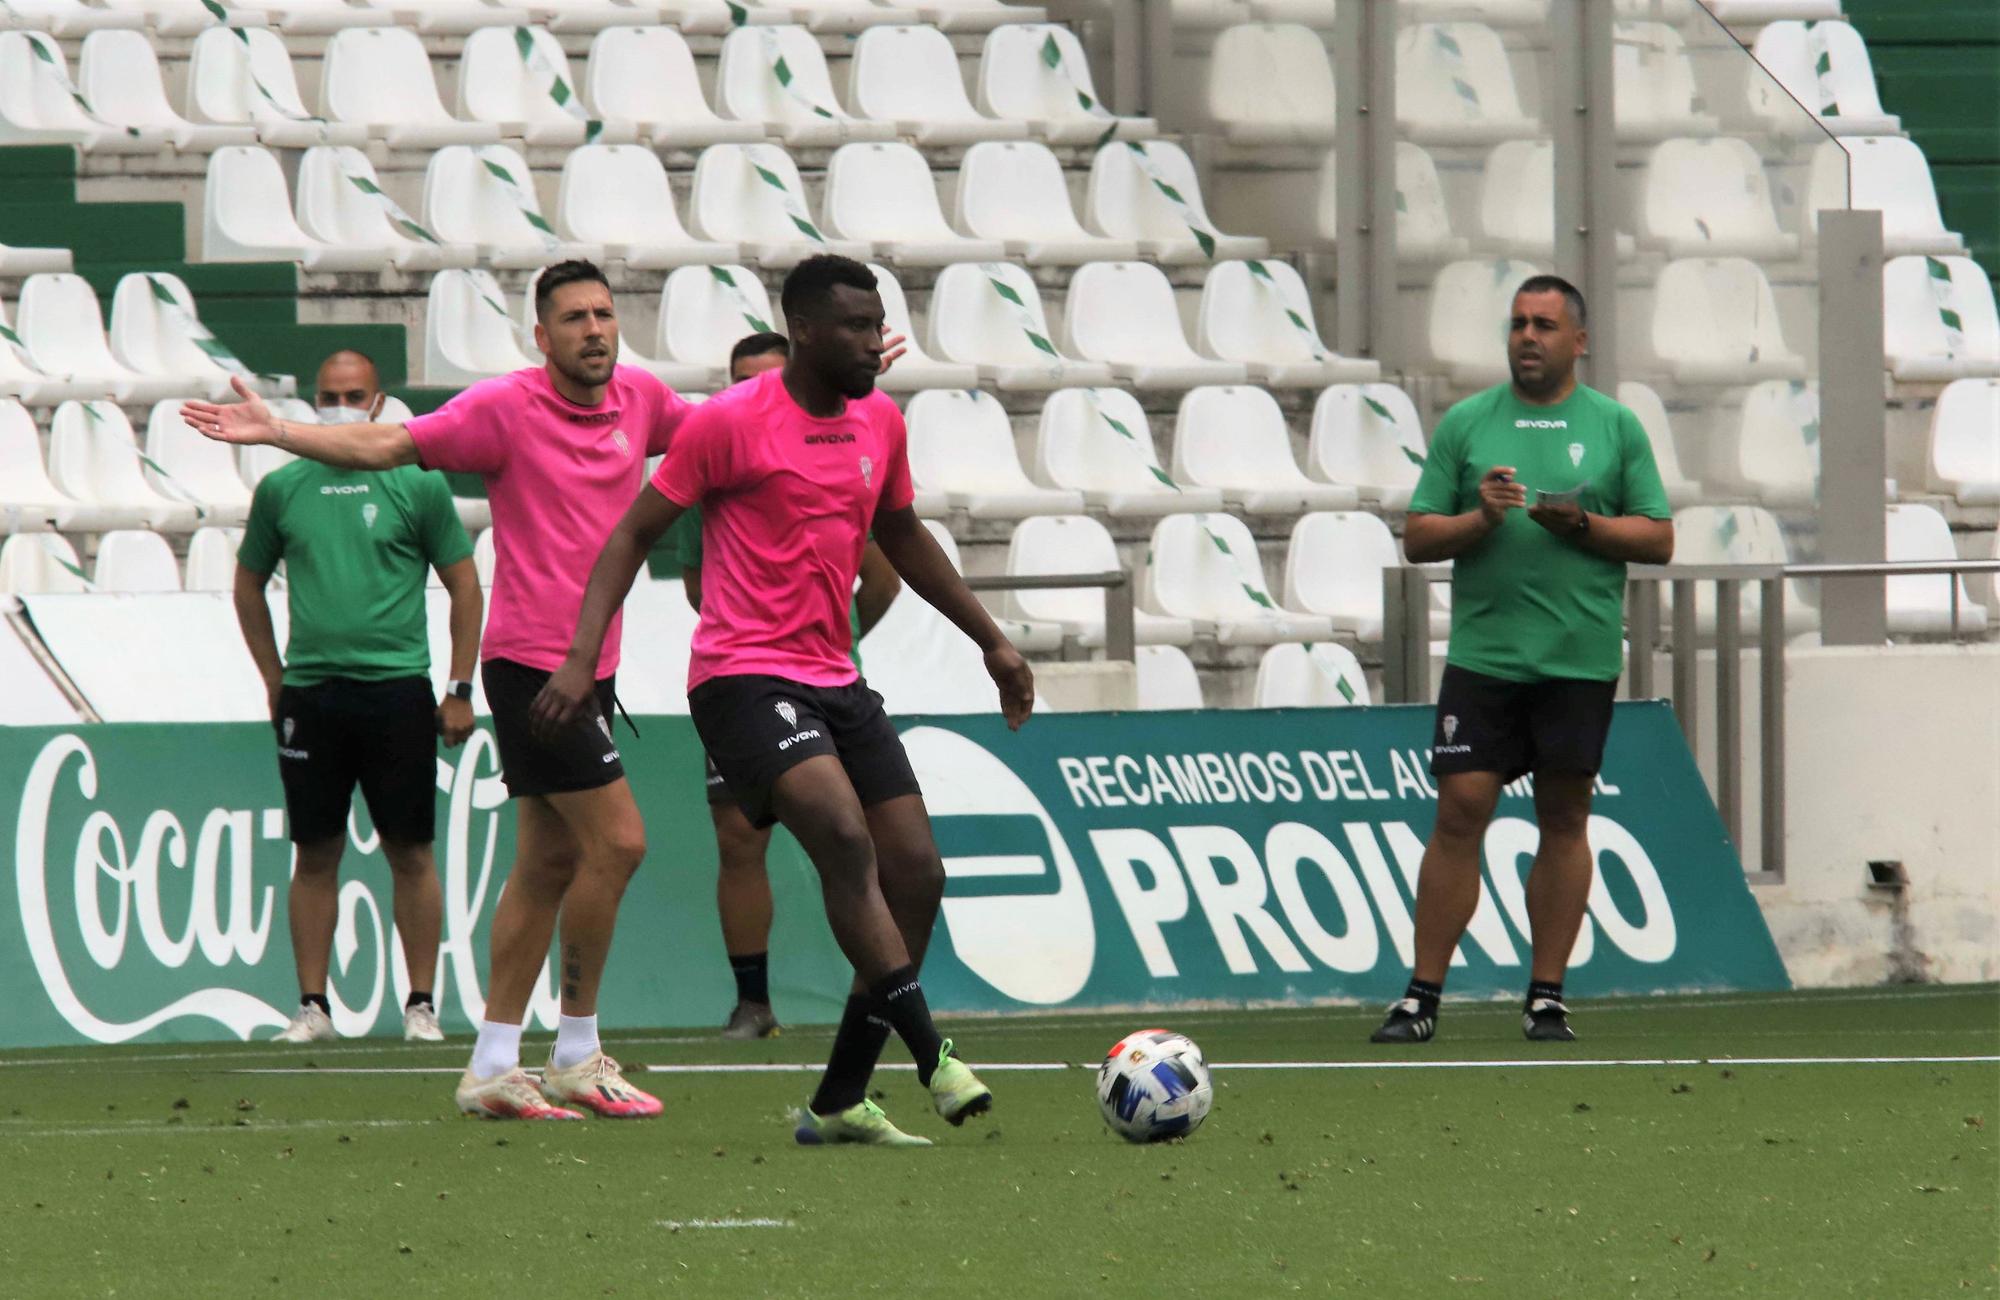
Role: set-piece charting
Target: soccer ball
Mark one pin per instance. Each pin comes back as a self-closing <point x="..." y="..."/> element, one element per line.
<point x="1154" y="1085"/>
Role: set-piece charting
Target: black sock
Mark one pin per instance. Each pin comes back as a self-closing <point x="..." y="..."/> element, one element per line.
<point x="1426" y="994"/>
<point x="899" y="999"/>
<point x="1543" y="989"/>
<point x="316" y="1000"/>
<point x="418" y="997"/>
<point x="857" y="1045"/>
<point x="753" y="977"/>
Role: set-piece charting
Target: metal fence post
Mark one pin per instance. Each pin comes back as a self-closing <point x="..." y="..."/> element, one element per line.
<point x="1771" y="667"/>
<point x="1120" y="638"/>
<point x="1643" y="633"/>
<point x="1729" y="707"/>
<point x="1852" y="447"/>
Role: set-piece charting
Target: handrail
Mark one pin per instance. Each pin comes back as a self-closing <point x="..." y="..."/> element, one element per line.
<point x="1120" y="637"/>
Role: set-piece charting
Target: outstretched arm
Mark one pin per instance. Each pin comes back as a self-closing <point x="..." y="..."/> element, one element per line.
<point x="926" y="570"/>
<point x="346" y="446"/>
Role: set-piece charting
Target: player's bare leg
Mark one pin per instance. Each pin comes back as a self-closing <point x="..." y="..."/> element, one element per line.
<point x="312" y="905"/>
<point x="1558" y="891"/>
<point x="419" y="911"/>
<point x="1447" y="896"/>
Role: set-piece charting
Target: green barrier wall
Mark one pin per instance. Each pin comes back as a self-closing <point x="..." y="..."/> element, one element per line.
<point x="1094" y="861"/>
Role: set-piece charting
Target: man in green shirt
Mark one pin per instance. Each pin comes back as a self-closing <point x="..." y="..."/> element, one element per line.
<point x="742" y="884"/>
<point x="351" y="700"/>
<point x="1540" y="492"/>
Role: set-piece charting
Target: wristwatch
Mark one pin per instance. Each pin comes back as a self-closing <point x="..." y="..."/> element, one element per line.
<point x="1582" y="524"/>
<point x="458" y="690"/>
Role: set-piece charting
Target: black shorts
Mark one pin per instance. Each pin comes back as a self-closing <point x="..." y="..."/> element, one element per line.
<point x="757" y="728"/>
<point x="717" y="788"/>
<point x="339" y="732"/>
<point x="1489" y="724"/>
<point x="583" y="757"/>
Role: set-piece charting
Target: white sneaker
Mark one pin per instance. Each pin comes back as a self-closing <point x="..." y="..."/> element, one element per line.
<point x="513" y="1095"/>
<point x="310" y="1025"/>
<point x="420" y="1024"/>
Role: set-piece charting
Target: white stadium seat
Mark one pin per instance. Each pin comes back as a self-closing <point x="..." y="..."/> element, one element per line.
<point x="246" y="216"/>
<point x="192" y="466"/>
<point x="1167" y="679"/>
<point x="485" y="197"/>
<point x="1318" y="676"/>
<point x="962" y="448"/>
<point x="255" y="461"/>
<point x="989" y="314"/>
<point x="119" y="74"/>
<point x="800" y="108"/>
<point x="1270" y="84"/>
<point x="1517" y="200"/>
<point x="1016" y="192"/>
<point x="1334" y="564"/>
<point x="244" y="76"/>
<point x="60" y="325"/>
<point x="341" y="203"/>
<point x="1798" y="98"/>
<point x="1205" y="568"/>
<point x="1711" y="198"/>
<point x="21" y="377"/>
<point x="1036" y="73"/>
<point x="646" y="76"/>
<point x="1470" y="304"/>
<point x="1123" y="314"/>
<point x="1774" y="453"/>
<point x="1423" y="219"/>
<point x="41" y="563"/>
<point x="705" y="309"/>
<point x="468" y="335"/>
<point x="753" y="193"/>
<point x="37" y="108"/>
<point x="152" y="338"/>
<point x="1125" y="200"/>
<point x="1964" y="457"/>
<point x="134" y="561"/>
<point x="1655" y="94"/>
<point x="1890" y="174"/>
<point x="617" y="195"/>
<point x="519" y="79"/>
<point x="1645" y="403"/>
<point x="1454" y="86"/>
<point x="1077" y="544"/>
<point x="211" y="559"/>
<point x="1715" y="321"/>
<point x="884" y="195"/>
<point x="1738" y="535"/>
<point x="1097" y="441"/>
<point x="1259" y="314"/>
<point x="94" y="460"/>
<point x="1368" y="435"/>
<point x="1919" y="606"/>
<point x="29" y="502"/>
<point x="1939" y="322"/>
<point x="908" y="77"/>
<point x="380" y="78"/>
<point x="1234" y="439"/>
<point x="920" y="662"/>
<point x="848" y="16"/>
<point x="917" y="369"/>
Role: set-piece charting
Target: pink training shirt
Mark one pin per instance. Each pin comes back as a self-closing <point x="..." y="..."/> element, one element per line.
<point x="786" y="500"/>
<point x="559" y="476"/>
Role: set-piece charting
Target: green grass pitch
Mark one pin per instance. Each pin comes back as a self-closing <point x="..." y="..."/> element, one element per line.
<point x="1663" y="1162"/>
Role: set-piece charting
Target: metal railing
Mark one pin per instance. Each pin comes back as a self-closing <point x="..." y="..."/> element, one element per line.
<point x="1120" y="640"/>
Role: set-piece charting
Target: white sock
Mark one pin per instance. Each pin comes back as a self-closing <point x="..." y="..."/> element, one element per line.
<point x="498" y="1050"/>
<point x="576" y="1040"/>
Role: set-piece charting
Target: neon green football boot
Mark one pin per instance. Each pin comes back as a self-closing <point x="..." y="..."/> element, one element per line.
<point x="862" y="1124"/>
<point x="956" y="1091"/>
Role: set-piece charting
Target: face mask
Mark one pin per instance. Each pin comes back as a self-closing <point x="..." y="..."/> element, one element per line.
<point x="342" y="415"/>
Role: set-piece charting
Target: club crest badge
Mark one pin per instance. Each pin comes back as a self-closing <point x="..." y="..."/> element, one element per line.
<point x="1576" y="453"/>
<point x="368" y="513"/>
<point x="788" y="713"/>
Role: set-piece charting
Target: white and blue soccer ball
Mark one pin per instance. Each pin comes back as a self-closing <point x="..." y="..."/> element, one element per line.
<point x="1153" y="1086"/>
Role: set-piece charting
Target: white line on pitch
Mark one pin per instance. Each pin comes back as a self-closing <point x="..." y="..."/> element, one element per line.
<point x="676" y="1225"/>
<point x="153" y="1129"/>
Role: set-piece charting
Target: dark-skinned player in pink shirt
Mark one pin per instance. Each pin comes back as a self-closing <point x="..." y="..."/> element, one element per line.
<point x="791" y="469"/>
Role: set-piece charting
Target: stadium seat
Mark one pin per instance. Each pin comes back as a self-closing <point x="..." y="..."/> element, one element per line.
<point x="1129" y="198"/>
<point x="156" y="338"/>
<point x="961" y="447"/>
<point x="1270" y="84"/>
<point x="1655" y="93"/>
<point x="1517" y="200"/>
<point x="916" y="369"/>
<point x="28" y="501"/>
<point x="1016" y="192"/>
<point x="1715" y="321"/>
<point x="1097" y="441"/>
<point x="1939" y="322"/>
<point x="468" y="335"/>
<point x="485" y="197"/>
<point x="255" y="461"/>
<point x="380" y="78"/>
<point x="1774" y="453"/>
<point x="60" y="325"/>
<point x="133" y="561"/>
<point x="1423" y="219"/>
<point x="1470" y="305"/>
<point x="1123" y="314"/>
<point x="323" y="17"/>
<point x="1334" y="564"/>
<point x="21" y="377"/>
<point x="753" y="193"/>
<point x="519" y="79"/>
<point x="1036" y="73"/>
<point x="341" y="203"/>
<point x="33" y="261"/>
<point x="187" y="465"/>
<point x="1711" y="198"/>
<point x="1921" y="606"/>
<point x="1234" y="439"/>
<point x="777" y="76"/>
<point x="1369" y="436"/>
<point x="94" y="460"/>
<point x="1798" y="98"/>
<point x="908" y="77"/>
<point x="36" y="106"/>
<point x="1705" y="535"/>
<point x="1455" y="86"/>
<point x="1984" y="587"/>
<point x="1259" y="314"/>
<point x="617" y="195"/>
<point x="1077" y="544"/>
<point x="1167" y="679"/>
<point x="1205" y="568"/>
<point x="211" y="559"/>
<point x="243" y="76"/>
<point x="66" y="18"/>
<point x="920" y="663"/>
<point x="989" y="315"/>
<point x="1322" y="675"/>
<point x="119" y="74"/>
<point x="646" y="76"/>
<point x="705" y="309"/>
<point x="1652" y="412"/>
<point x="246" y="216"/>
<point x="883" y="194"/>
<point x="1964" y="460"/>
<point x="41" y="564"/>
<point x="1887" y="173"/>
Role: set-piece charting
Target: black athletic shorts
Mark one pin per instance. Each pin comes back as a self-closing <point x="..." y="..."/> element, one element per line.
<point x="339" y="732"/>
<point x="757" y="728"/>
<point x="718" y="789"/>
<point x="1489" y="724"/>
<point x="583" y="757"/>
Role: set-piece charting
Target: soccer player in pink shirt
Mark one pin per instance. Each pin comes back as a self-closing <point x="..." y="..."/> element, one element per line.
<point x="562" y="448"/>
<point x="791" y="469"/>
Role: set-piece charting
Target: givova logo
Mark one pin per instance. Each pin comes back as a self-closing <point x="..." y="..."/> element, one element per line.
<point x="1014" y="900"/>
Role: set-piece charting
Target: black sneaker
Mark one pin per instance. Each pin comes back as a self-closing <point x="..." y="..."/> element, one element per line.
<point x="1547" y="1021"/>
<point x="1408" y="1022"/>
